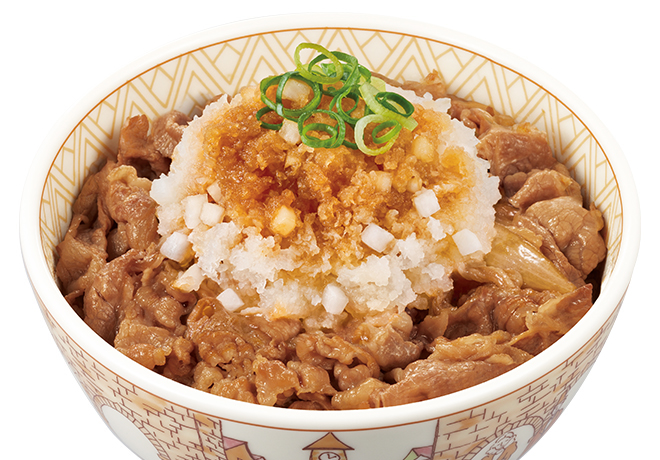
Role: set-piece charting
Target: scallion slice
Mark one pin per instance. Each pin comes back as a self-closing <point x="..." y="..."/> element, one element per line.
<point x="337" y="75"/>
<point x="306" y="71"/>
<point x="260" y="115"/>
<point x="369" y="93"/>
<point x="336" y="133"/>
<point x="278" y="105"/>
<point x="360" y="127"/>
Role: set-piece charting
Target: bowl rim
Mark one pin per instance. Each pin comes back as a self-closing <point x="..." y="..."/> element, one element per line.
<point x="46" y="290"/>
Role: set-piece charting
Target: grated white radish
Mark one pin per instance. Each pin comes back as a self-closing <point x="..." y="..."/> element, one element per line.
<point x="401" y="257"/>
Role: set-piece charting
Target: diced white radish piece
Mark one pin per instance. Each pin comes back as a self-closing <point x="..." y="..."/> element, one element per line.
<point x="383" y="181"/>
<point x="211" y="214"/>
<point x="423" y="149"/>
<point x="230" y="300"/>
<point x="190" y="280"/>
<point x="215" y="192"/>
<point x="426" y="203"/>
<point x="376" y="237"/>
<point x="289" y="132"/>
<point x="176" y="247"/>
<point x="284" y="221"/>
<point x="334" y="299"/>
<point x="467" y="242"/>
<point x="192" y="209"/>
<point x="297" y="91"/>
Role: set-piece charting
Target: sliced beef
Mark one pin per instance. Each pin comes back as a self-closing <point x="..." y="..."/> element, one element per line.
<point x="150" y="152"/>
<point x="544" y="185"/>
<point x="576" y="230"/>
<point x="126" y="199"/>
<point x="553" y="319"/>
<point x="329" y="350"/>
<point x="212" y="380"/>
<point x="360" y="396"/>
<point x="154" y="346"/>
<point x="490" y="308"/>
<point x="82" y="252"/>
<point x="520" y="148"/>
<point x="167" y="130"/>
<point x="274" y="381"/>
<point x="233" y="341"/>
<point x="112" y="291"/>
<point x="432" y="84"/>
<point x="387" y="337"/>
<point x="454" y="365"/>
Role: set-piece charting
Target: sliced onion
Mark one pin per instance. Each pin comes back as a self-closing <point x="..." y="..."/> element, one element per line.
<point x="512" y="251"/>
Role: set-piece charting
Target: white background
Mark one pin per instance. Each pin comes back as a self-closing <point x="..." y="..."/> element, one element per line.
<point x="54" y="52"/>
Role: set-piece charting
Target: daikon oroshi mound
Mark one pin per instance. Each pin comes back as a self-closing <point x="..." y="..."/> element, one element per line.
<point x="273" y="227"/>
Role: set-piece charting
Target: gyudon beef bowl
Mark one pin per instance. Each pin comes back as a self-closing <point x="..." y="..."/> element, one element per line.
<point x="337" y="239"/>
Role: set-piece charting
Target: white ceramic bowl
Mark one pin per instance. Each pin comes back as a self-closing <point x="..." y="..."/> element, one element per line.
<point x="160" y="419"/>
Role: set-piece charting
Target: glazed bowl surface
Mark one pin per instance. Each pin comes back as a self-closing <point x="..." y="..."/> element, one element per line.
<point x="160" y="419"/>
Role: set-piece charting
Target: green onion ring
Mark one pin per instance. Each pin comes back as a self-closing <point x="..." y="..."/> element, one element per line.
<point x="350" y="145"/>
<point x="278" y="106"/>
<point x="384" y="98"/>
<point x="349" y="78"/>
<point x="369" y="92"/>
<point x="263" y="111"/>
<point x="336" y="103"/>
<point x="337" y="133"/>
<point x="392" y="133"/>
<point x="339" y="75"/>
<point x="351" y="61"/>
<point x="318" y="78"/>
<point x="359" y="134"/>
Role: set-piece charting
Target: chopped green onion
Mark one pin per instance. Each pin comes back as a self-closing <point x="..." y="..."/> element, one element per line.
<point x="316" y="77"/>
<point x="389" y="134"/>
<point x="278" y="105"/>
<point x="385" y="98"/>
<point x="337" y="104"/>
<point x="361" y="125"/>
<point x="260" y="114"/>
<point x="336" y="133"/>
<point x="338" y="75"/>
<point x="369" y="93"/>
